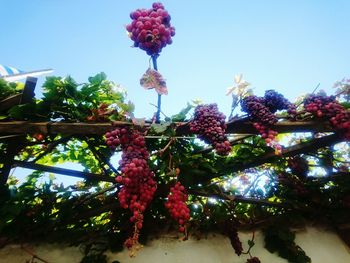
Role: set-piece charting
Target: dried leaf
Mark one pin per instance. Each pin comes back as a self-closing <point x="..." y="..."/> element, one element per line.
<point x="152" y="79"/>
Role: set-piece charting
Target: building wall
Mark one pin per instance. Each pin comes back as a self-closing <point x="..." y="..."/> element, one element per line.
<point x="321" y="245"/>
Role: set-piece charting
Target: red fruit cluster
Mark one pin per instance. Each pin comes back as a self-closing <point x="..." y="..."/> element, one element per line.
<point x="257" y="110"/>
<point x="299" y="166"/>
<point x="150" y="29"/>
<point x="269" y="135"/>
<point x="328" y="107"/>
<point x="137" y="179"/>
<point x="176" y="204"/>
<point x="210" y="125"/>
<point x="253" y="260"/>
<point x="261" y="111"/>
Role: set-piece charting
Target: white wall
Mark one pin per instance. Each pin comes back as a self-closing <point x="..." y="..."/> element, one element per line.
<point x="321" y="245"/>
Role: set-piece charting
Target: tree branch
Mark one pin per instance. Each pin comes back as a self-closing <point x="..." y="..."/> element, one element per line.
<point x="100" y="158"/>
<point x="51" y="147"/>
<point x="290" y="151"/>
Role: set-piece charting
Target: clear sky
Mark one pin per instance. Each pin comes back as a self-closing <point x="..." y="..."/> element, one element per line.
<point x="290" y="46"/>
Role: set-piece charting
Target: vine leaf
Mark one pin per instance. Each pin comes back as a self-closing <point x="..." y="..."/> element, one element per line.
<point x="160" y="127"/>
<point x="181" y="116"/>
<point x="153" y="79"/>
<point x="97" y="79"/>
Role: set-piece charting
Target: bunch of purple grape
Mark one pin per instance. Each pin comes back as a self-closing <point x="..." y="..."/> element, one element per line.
<point x="235" y="241"/>
<point x="150" y="29"/>
<point x="276" y="101"/>
<point x="210" y="124"/>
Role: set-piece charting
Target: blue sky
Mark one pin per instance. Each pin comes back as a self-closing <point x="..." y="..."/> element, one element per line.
<point x="289" y="46"/>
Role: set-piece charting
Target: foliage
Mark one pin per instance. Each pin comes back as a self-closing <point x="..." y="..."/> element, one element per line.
<point x="66" y="100"/>
<point x="9" y="88"/>
<point x="281" y="240"/>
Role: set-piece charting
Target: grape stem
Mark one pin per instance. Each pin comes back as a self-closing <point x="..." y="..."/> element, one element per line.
<point x="159" y="103"/>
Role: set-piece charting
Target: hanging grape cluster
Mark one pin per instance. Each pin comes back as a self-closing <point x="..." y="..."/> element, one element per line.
<point x="261" y="111"/>
<point x="150" y="29"/>
<point x="261" y="116"/>
<point x="210" y="125"/>
<point x="327" y="107"/>
<point x="276" y="101"/>
<point x="176" y="205"/>
<point x="257" y="110"/>
<point x="298" y="166"/>
<point x="235" y="241"/>
<point x="137" y="179"/>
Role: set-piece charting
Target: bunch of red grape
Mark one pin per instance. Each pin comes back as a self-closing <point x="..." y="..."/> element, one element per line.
<point x="176" y="204"/>
<point x="299" y="166"/>
<point x="316" y="104"/>
<point x="137" y="179"/>
<point x="253" y="260"/>
<point x="328" y="107"/>
<point x="210" y="124"/>
<point x="150" y="29"/>
<point x="257" y="110"/>
<point x="269" y="135"/>
<point x="262" y="117"/>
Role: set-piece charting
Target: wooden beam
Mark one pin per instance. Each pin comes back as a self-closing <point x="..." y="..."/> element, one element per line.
<point x="63" y="171"/>
<point x="83" y="128"/>
<point x="245" y="126"/>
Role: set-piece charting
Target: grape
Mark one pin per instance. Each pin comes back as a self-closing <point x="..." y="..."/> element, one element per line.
<point x="150" y="29"/>
<point x="299" y="166"/>
<point x="235" y="241"/>
<point x="137" y="179"/>
<point x="176" y="205"/>
<point x="276" y="101"/>
<point x="327" y="107"/>
<point x="210" y="124"/>
<point x="257" y="110"/>
<point x="263" y="118"/>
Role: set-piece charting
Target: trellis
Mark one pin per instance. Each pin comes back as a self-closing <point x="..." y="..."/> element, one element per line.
<point x="13" y="134"/>
<point x="12" y="131"/>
